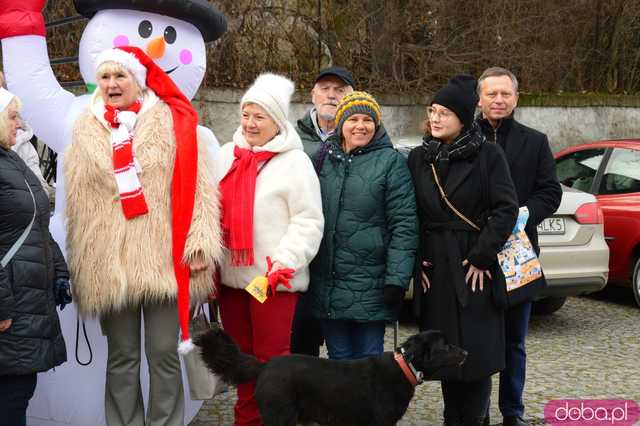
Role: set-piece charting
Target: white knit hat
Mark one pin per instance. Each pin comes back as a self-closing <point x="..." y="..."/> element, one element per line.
<point x="5" y="98"/>
<point x="273" y="93"/>
<point x="126" y="60"/>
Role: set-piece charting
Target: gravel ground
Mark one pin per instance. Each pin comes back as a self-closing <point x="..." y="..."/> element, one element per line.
<point x="589" y="349"/>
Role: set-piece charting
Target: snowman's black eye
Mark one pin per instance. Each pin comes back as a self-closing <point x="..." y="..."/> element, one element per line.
<point x="170" y="34"/>
<point x="145" y="29"/>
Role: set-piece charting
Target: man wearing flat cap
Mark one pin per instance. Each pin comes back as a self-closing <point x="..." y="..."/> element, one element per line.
<point x="319" y="123"/>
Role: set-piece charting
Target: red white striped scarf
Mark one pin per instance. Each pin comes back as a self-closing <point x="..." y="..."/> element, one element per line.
<point x="124" y="163"/>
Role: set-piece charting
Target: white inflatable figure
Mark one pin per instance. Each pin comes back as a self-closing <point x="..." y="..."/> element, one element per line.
<point x="173" y="33"/>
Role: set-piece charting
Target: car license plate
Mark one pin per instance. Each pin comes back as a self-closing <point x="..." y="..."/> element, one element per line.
<point x="551" y="226"/>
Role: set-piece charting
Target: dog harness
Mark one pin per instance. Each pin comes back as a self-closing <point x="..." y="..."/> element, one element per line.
<point x="414" y="377"/>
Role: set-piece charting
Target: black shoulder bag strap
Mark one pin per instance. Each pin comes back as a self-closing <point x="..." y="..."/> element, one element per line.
<point x="321" y="153"/>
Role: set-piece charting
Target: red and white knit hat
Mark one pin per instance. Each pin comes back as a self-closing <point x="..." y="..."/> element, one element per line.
<point x="183" y="185"/>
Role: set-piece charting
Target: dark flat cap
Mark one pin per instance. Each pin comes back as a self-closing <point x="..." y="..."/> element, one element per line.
<point x="342" y="73"/>
<point x="209" y="20"/>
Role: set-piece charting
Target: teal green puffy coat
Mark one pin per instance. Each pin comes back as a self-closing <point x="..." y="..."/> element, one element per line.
<point x="370" y="233"/>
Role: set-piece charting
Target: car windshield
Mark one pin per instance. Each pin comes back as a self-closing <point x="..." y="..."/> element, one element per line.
<point x="578" y="169"/>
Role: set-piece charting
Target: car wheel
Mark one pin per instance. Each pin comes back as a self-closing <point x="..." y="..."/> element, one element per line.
<point x="635" y="281"/>
<point x="548" y="305"/>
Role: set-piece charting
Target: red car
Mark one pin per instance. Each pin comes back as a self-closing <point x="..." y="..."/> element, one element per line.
<point x="610" y="169"/>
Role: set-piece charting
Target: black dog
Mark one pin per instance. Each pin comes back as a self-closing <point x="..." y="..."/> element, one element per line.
<point x="300" y="388"/>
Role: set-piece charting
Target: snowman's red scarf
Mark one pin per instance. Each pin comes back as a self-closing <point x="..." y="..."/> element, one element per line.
<point x="122" y="123"/>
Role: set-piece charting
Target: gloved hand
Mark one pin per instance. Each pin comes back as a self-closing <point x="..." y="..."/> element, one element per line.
<point x="393" y="296"/>
<point x="62" y="292"/>
<point x="281" y="276"/>
<point x="21" y="17"/>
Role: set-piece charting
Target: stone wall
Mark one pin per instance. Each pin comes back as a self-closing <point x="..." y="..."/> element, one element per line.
<point x="572" y="126"/>
<point x="402" y="117"/>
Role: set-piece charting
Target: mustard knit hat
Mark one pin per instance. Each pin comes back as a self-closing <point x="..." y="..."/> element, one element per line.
<point x="357" y="103"/>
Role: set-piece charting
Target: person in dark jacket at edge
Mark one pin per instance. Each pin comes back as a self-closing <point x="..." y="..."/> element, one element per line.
<point x="367" y="254"/>
<point x="533" y="171"/>
<point x="461" y="287"/>
<point x="317" y="125"/>
<point x="33" y="279"/>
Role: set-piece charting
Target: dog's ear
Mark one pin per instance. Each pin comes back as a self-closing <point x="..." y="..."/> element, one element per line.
<point x="438" y="342"/>
<point x="433" y="343"/>
<point x="416" y="348"/>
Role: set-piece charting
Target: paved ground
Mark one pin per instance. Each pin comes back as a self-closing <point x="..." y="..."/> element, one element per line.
<point x="588" y="349"/>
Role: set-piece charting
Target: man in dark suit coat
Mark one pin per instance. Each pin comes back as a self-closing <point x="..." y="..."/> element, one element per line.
<point x="533" y="171"/>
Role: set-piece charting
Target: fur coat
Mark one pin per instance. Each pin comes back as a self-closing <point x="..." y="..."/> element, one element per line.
<point x="115" y="262"/>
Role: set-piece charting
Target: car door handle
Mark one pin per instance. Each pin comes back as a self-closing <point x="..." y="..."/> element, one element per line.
<point x="609" y="238"/>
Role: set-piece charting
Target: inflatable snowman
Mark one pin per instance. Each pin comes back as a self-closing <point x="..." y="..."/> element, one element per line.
<point x="173" y="33"/>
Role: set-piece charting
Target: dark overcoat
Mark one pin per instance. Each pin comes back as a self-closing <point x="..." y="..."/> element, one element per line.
<point x="471" y="320"/>
<point x="533" y="171"/>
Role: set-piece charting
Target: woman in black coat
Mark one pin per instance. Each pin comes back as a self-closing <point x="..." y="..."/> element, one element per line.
<point x="30" y="336"/>
<point x="463" y="289"/>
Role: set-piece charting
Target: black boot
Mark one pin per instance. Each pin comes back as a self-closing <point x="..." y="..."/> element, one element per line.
<point x="514" y="421"/>
<point x="454" y="421"/>
<point x="477" y="421"/>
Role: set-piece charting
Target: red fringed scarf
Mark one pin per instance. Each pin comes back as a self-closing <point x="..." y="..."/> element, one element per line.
<point x="122" y="123"/>
<point x="238" y="189"/>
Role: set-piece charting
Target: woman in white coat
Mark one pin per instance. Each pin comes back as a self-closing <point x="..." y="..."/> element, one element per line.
<point x="272" y="224"/>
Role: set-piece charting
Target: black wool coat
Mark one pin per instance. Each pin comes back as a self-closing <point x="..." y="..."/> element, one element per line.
<point x="471" y="320"/>
<point x="33" y="342"/>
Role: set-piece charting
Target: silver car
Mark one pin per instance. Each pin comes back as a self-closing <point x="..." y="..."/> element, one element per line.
<point x="573" y="251"/>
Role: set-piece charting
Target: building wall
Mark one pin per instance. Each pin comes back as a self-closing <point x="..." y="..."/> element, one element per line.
<point x="402" y="117"/>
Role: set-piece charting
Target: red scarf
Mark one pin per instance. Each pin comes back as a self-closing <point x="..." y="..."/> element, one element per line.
<point x="238" y="189"/>
<point x="122" y="123"/>
<point x="185" y="171"/>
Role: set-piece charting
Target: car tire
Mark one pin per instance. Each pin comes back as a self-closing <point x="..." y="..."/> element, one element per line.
<point x="635" y="281"/>
<point x="548" y="305"/>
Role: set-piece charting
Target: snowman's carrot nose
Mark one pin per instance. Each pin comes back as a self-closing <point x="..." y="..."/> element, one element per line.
<point x="155" y="48"/>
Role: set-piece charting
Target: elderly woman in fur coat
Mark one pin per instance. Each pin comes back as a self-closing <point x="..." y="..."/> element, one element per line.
<point x="143" y="229"/>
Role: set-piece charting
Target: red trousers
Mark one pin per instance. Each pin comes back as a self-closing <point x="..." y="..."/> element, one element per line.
<point x="259" y="329"/>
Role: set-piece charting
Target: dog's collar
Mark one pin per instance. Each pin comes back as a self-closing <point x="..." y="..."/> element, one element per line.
<point x="414" y="377"/>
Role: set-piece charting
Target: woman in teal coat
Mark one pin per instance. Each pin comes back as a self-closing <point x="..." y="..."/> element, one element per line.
<point x="366" y="259"/>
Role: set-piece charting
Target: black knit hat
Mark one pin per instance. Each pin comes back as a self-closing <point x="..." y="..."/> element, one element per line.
<point x="459" y="95"/>
<point x="204" y="16"/>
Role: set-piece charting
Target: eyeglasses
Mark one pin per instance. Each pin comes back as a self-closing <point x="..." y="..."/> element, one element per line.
<point x="442" y="114"/>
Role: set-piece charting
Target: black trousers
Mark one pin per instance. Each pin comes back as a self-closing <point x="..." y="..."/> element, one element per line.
<point x="15" y="393"/>
<point x="306" y="333"/>
<point x="466" y="403"/>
